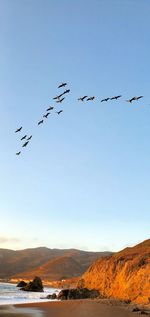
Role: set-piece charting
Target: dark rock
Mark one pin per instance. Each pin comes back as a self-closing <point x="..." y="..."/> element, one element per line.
<point x="127" y="301"/>
<point x="34" y="286"/>
<point x="77" y="293"/>
<point x="135" y="309"/>
<point x="63" y="294"/>
<point x="51" y="296"/>
<point x="21" y="284"/>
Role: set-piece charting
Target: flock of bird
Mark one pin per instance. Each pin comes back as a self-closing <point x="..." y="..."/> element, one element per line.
<point x="59" y="99"/>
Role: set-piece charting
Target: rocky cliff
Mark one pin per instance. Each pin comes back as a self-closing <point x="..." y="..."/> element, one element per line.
<point x="124" y="275"/>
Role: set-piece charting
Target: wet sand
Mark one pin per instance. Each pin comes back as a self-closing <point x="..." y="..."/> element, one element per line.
<point x="12" y="311"/>
<point x="72" y="308"/>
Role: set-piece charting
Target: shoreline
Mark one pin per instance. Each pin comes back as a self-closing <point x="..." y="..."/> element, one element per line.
<point x="72" y="308"/>
<point x="12" y="295"/>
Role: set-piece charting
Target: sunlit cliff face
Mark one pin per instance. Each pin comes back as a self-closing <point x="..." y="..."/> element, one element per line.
<point x="125" y="275"/>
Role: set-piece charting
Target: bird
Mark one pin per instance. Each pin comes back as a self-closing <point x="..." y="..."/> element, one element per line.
<point x="50" y="108"/>
<point x="115" y="97"/>
<point x="29" y="138"/>
<point x="25" y="144"/>
<point x="46" y="115"/>
<point x="58" y="97"/>
<point x="82" y="98"/>
<point x="41" y="121"/>
<point x="66" y="91"/>
<point x="106" y="99"/>
<point x="91" y="98"/>
<point x="23" y="137"/>
<point x="18" y="130"/>
<point x="137" y="98"/>
<point x="130" y="100"/>
<point x="58" y="112"/>
<point x="62" y="85"/>
<point x="18" y="153"/>
<point x="60" y="100"/>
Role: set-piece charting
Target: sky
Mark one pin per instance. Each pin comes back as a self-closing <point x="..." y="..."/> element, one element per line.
<point x="83" y="181"/>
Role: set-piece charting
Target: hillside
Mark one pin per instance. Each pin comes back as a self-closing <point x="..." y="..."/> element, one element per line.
<point x="56" y="269"/>
<point x="124" y="275"/>
<point x="13" y="263"/>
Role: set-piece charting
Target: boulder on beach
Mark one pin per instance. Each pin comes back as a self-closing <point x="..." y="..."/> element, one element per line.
<point x="51" y="296"/>
<point x="21" y="284"/>
<point x="77" y="293"/>
<point x="34" y="286"/>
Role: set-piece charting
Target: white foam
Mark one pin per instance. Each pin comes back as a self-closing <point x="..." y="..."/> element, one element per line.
<point x="10" y="294"/>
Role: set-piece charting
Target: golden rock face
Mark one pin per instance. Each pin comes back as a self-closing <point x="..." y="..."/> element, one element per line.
<point x="124" y="275"/>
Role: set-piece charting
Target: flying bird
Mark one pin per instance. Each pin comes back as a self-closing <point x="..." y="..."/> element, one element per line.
<point x="46" y="115"/>
<point x="58" y="112"/>
<point x="91" y="98"/>
<point x="25" y="144"/>
<point x="18" y="130"/>
<point x="106" y="99"/>
<point x="40" y="122"/>
<point x="137" y="98"/>
<point x="29" y="138"/>
<point x="115" y="97"/>
<point x="60" y="100"/>
<point x="18" y="153"/>
<point x="62" y="85"/>
<point x="82" y="98"/>
<point x="50" y="108"/>
<point x="130" y="100"/>
<point x="66" y="91"/>
<point x="58" y="97"/>
<point x="23" y="137"/>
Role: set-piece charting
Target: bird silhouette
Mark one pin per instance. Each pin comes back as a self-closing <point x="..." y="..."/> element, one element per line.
<point x="18" y="153"/>
<point x="60" y="100"/>
<point x="106" y="99"/>
<point x="137" y="98"/>
<point x="18" y="130"/>
<point x="29" y="138"/>
<point x="91" y="98"/>
<point x="25" y="144"/>
<point x="46" y="115"/>
<point x="58" y="112"/>
<point x="130" y="100"/>
<point x="40" y="122"/>
<point x="23" y="137"/>
<point x="82" y="98"/>
<point x="50" y="108"/>
<point x="58" y="97"/>
<point x="66" y="91"/>
<point x="115" y="97"/>
<point x="62" y="85"/>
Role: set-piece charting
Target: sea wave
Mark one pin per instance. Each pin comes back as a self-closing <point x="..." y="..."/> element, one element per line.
<point x="10" y="294"/>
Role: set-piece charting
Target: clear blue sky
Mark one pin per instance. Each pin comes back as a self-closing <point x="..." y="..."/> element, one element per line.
<point x="84" y="179"/>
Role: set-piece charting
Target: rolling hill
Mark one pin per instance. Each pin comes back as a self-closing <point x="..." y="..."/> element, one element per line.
<point x="48" y="263"/>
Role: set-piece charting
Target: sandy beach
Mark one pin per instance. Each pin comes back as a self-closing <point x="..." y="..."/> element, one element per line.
<point x="72" y="308"/>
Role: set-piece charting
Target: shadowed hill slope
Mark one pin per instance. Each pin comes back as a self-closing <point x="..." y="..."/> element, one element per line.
<point x="56" y="269"/>
<point x="124" y="275"/>
<point x="13" y="263"/>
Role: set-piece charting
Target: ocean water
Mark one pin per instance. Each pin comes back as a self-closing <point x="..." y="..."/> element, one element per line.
<point x="10" y="294"/>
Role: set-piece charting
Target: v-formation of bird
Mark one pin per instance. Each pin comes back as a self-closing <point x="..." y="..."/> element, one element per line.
<point x="59" y="99"/>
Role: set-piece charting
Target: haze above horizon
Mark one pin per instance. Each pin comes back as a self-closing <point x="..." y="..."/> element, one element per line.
<point x="83" y="182"/>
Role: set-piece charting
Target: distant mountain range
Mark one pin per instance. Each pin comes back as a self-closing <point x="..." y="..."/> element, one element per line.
<point x="49" y="264"/>
<point x="124" y="275"/>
